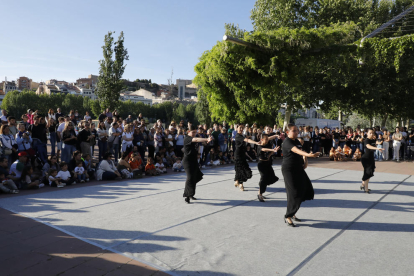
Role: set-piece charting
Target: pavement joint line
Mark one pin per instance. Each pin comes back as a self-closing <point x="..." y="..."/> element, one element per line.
<point x="206" y="215"/>
<point x="328" y="242"/>
<point x="123" y="200"/>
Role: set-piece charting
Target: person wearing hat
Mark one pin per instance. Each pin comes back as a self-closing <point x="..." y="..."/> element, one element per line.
<point x="17" y="167"/>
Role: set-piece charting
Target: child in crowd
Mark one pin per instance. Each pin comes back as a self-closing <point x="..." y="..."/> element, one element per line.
<point x="347" y="151"/>
<point x="357" y="155"/>
<point x="165" y="161"/>
<point x="250" y="154"/>
<point x="26" y="179"/>
<point x="54" y="181"/>
<point x="380" y="144"/>
<point x="135" y="162"/>
<point x="64" y="174"/>
<point x="87" y="160"/>
<point x="170" y="155"/>
<point x="150" y="168"/>
<point x="231" y="156"/>
<point x="80" y="172"/>
<point x="178" y="167"/>
<point x="159" y="166"/>
<point x="221" y="158"/>
<point x="332" y="154"/>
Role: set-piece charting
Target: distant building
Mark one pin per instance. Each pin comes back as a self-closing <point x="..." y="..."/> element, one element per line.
<point x="23" y="83"/>
<point x="9" y="86"/>
<point x="34" y="85"/>
<point x="51" y="89"/>
<point x="136" y="97"/>
<point x="88" y="82"/>
<point x="186" y="89"/>
<point x="53" y="81"/>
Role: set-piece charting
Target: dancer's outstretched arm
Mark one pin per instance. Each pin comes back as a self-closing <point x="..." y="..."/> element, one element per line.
<point x="304" y="153"/>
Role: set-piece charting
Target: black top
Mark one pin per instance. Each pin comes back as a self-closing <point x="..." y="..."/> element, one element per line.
<point x="68" y="134"/>
<point x="57" y="116"/>
<point x="263" y="154"/>
<point x="101" y="117"/>
<point x="369" y="153"/>
<point x="39" y="132"/>
<point x="317" y="139"/>
<point x="291" y="159"/>
<point x="83" y="135"/>
<point x="356" y="139"/>
<point x="336" y="135"/>
<point x="240" y="146"/>
<point x="380" y="140"/>
<point x="53" y="127"/>
<point x="190" y="148"/>
<point x="342" y="137"/>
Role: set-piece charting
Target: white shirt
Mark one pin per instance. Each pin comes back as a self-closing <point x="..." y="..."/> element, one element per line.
<point x="171" y="142"/>
<point x="127" y="135"/>
<point x="79" y="170"/>
<point x="13" y="169"/>
<point x="51" y="179"/>
<point x="160" y="166"/>
<point x="63" y="175"/>
<point x="61" y="127"/>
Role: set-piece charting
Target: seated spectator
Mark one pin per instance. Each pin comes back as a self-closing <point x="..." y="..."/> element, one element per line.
<point x="64" y="174"/>
<point x="150" y="167"/>
<point x="164" y="160"/>
<point x="73" y="163"/>
<point x="231" y="156"/>
<point x="214" y="158"/>
<point x="26" y="180"/>
<point x="90" y="171"/>
<point x="357" y="155"/>
<point x="124" y="167"/>
<point x="159" y="166"/>
<point x="17" y="167"/>
<point x="80" y="172"/>
<point x="50" y="164"/>
<point x="135" y="162"/>
<point x="347" y="151"/>
<point x="250" y="154"/>
<point x="178" y="167"/>
<point x="8" y="144"/>
<point x="332" y="155"/>
<point x="170" y="155"/>
<point x="6" y="184"/>
<point x="54" y="181"/>
<point x="106" y="169"/>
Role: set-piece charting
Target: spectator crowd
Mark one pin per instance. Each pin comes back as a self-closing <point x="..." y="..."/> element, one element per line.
<point x="130" y="148"/>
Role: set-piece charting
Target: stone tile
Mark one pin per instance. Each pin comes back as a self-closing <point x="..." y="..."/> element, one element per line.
<point x="54" y="266"/>
<point x="45" y="239"/>
<point x="24" y="261"/>
<point x="83" y="270"/>
<point x="61" y="246"/>
<point x="119" y="272"/>
<point x="108" y="261"/>
<point x="137" y="268"/>
<point x="12" y="251"/>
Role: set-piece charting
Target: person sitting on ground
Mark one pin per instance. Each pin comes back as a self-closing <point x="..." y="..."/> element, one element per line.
<point x="6" y="184"/>
<point x="170" y="155"/>
<point x="106" y="169"/>
<point x="87" y="160"/>
<point x="250" y="154"/>
<point x="339" y="154"/>
<point x="80" y="172"/>
<point x="357" y="155"/>
<point x="50" y="164"/>
<point x="64" y="174"/>
<point x="164" y="160"/>
<point x="135" y="162"/>
<point x="27" y="181"/>
<point x="124" y="167"/>
<point x="73" y="163"/>
<point x="214" y="158"/>
<point x="159" y="166"/>
<point x="231" y="156"/>
<point x="17" y="167"/>
<point x="347" y="151"/>
<point x="150" y="167"/>
<point x="178" y="167"/>
<point x="332" y="156"/>
<point x="55" y="181"/>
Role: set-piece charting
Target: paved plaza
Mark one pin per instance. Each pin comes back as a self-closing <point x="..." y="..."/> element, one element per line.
<point x="228" y="232"/>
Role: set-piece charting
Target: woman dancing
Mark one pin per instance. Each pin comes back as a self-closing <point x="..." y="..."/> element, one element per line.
<point x="267" y="174"/>
<point x="368" y="160"/>
<point x="243" y="171"/>
<point x="298" y="185"/>
<point x="190" y="164"/>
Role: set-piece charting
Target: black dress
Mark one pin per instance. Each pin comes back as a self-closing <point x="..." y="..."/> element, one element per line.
<point x="190" y="164"/>
<point x="243" y="171"/>
<point x="368" y="160"/>
<point x="298" y="185"/>
<point x="267" y="174"/>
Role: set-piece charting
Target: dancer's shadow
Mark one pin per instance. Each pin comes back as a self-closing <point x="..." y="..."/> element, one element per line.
<point x="359" y="226"/>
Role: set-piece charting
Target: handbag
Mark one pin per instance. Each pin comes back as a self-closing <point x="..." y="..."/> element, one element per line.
<point x="7" y="151"/>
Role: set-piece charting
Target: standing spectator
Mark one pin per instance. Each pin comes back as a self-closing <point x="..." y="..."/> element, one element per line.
<point x="306" y="139"/>
<point x="129" y="119"/>
<point x="397" y="137"/>
<point x="84" y="138"/>
<point x="3" y="117"/>
<point x="179" y="143"/>
<point x="59" y="130"/>
<point x="150" y="143"/>
<point x="58" y="114"/>
<point x="30" y="116"/>
<point x="92" y="141"/>
<point x="106" y="169"/>
<point x="113" y="140"/>
<point x="8" y="144"/>
<point x="127" y="138"/>
<point x="51" y="115"/>
<point x="158" y="140"/>
<point x="108" y="113"/>
<point x="403" y="147"/>
<point x="12" y="125"/>
<point x="140" y="118"/>
<point x="52" y="126"/>
<point x="102" y="116"/>
<point x="38" y="131"/>
<point x="379" y="143"/>
<point x="69" y="140"/>
<point x="25" y="122"/>
<point x="222" y="140"/>
<point x="386" y="144"/>
<point x="87" y="117"/>
<point x="23" y="139"/>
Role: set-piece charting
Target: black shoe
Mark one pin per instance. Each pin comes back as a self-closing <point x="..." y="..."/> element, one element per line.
<point x="187" y="199"/>
<point x="362" y="188"/>
<point x="260" y="198"/>
<point x="296" y="219"/>
<point x="290" y="224"/>
<point x="193" y="198"/>
<point x="368" y="192"/>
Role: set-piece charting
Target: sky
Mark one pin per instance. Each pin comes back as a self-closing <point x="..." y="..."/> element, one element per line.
<point x="62" y="40"/>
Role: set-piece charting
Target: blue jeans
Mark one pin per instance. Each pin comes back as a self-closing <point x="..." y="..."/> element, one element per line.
<point x="103" y="146"/>
<point x="81" y="177"/>
<point x="223" y="148"/>
<point x="353" y="147"/>
<point x="378" y="154"/>
<point x="316" y="148"/>
<point x="67" y="152"/>
<point x="41" y="150"/>
<point x="109" y="175"/>
<point x="334" y="145"/>
<point x="342" y="144"/>
<point x="115" y="151"/>
<point x="53" y="142"/>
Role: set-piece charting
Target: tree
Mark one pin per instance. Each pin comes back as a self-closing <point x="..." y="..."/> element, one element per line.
<point x="112" y="68"/>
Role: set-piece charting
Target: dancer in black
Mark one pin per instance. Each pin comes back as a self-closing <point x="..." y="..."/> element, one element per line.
<point x="368" y="160"/>
<point x="267" y="174"/>
<point x="298" y="185"/>
<point x="190" y="164"/>
<point x="243" y="171"/>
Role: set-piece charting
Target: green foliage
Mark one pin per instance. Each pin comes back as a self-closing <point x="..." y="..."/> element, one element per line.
<point x="112" y="68"/>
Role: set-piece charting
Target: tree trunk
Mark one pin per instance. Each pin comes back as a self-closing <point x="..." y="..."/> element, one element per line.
<point x="340" y="116"/>
<point x="373" y="122"/>
<point x="288" y="112"/>
<point x="384" y="120"/>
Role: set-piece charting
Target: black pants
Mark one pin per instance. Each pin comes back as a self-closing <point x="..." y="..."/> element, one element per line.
<point x="306" y="146"/>
<point x="151" y="150"/>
